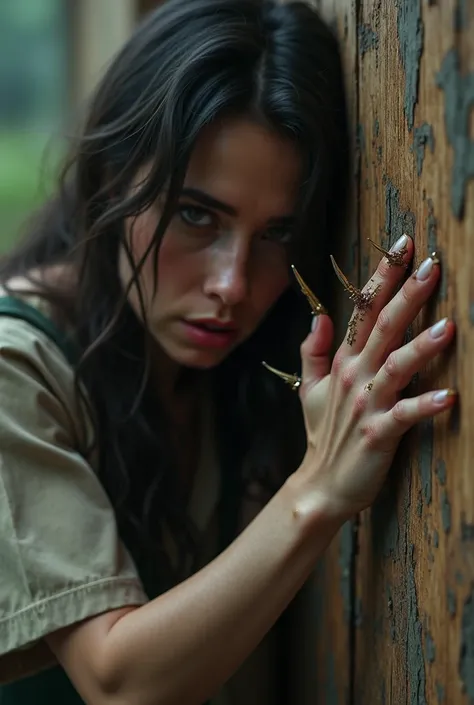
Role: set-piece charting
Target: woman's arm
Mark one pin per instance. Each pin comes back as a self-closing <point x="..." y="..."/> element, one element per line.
<point x="181" y="647"/>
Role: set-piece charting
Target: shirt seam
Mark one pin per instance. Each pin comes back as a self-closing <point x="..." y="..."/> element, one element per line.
<point x="26" y="584"/>
<point x="135" y="582"/>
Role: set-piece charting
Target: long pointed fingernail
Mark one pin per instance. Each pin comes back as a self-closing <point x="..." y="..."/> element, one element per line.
<point x="317" y="307"/>
<point x="293" y="380"/>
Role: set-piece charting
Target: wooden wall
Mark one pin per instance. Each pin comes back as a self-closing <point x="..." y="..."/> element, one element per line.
<point x="405" y="574"/>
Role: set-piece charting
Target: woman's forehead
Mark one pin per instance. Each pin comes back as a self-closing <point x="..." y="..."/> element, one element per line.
<point x="240" y="161"/>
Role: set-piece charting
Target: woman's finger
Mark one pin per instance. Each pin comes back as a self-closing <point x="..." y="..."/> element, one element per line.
<point x="315" y="352"/>
<point x="381" y="286"/>
<point x="408" y="412"/>
<point x="402" y="364"/>
<point x="393" y="321"/>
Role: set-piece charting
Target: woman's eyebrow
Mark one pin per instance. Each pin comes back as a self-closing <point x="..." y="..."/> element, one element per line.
<point x="210" y="202"/>
<point x="206" y="200"/>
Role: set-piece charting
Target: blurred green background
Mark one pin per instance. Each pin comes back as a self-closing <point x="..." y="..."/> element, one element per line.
<point x="34" y="69"/>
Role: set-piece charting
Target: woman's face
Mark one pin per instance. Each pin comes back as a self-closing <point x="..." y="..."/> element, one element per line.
<point x="222" y="262"/>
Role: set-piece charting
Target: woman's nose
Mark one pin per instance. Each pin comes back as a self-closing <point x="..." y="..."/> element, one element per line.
<point x="228" y="276"/>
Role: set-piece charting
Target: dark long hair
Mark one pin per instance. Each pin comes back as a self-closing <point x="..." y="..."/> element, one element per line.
<point x="188" y="63"/>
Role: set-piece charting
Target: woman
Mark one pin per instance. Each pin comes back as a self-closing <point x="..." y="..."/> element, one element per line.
<point x="136" y="318"/>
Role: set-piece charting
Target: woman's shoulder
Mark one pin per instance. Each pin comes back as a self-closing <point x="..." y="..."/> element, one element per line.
<point x="35" y="355"/>
<point x="28" y="322"/>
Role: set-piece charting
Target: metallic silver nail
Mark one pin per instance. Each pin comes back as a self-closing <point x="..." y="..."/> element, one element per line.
<point x="424" y="270"/>
<point x="439" y="328"/>
<point x="400" y="244"/>
<point x="443" y="394"/>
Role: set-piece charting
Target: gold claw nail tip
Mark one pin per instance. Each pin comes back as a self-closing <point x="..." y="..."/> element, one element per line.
<point x="452" y="392"/>
<point x="362" y="299"/>
<point x="316" y="306"/>
<point x="293" y="380"/>
<point x="395" y="259"/>
<point x="435" y="258"/>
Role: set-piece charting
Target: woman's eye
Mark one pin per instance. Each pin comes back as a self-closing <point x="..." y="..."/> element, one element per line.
<point x="195" y="216"/>
<point x="281" y="236"/>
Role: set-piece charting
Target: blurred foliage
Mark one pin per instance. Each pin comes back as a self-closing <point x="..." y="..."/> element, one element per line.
<point x="33" y="105"/>
<point x="28" y="169"/>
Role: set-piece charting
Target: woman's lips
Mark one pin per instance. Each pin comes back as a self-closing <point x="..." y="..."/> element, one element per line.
<point x="209" y="335"/>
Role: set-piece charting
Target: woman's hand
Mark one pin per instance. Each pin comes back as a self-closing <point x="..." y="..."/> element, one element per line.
<point x="354" y="415"/>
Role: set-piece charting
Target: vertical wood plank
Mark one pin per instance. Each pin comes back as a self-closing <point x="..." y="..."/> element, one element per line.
<point x="415" y="568"/>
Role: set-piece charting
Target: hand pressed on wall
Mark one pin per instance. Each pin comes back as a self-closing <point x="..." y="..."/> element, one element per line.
<point x="354" y="414"/>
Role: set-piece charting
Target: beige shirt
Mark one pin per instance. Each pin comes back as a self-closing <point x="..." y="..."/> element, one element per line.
<point x="61" y="559"/>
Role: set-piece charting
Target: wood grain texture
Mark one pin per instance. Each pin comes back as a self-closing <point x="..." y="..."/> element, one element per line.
<point x="415" y="568"/>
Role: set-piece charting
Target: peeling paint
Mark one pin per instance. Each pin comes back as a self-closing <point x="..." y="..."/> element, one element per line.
<point x="414" y="647"/>
<point x="332" y="697"/>
<point x="423" y="136"/>
<point x="440" y="693"/>
<point x="452" y="602"/>
<point x="466" y="655"/>
<point x="467" y="530"/>
<point x="410" y="37"/>
<point x="445" y="512"/>
<point x="361" y="143"/>
<point x="432" y="227"/>
<point x="376" y="130"/>
<point x="471" y="312"/>
<point x="391" y="617"/>
<point x="386" y="532"/>
<point x="460" y="17"/>
<point x="459" y="577"/>
<point x="346" y="547"/>
<point x="397" y="221"/>
<point x="430" y="647"/>
<point x="358" y="613"/>
<point x="435" y="538"/>
<point x="432" y="238"/>
<point x="459" y="101"/>
<point x="379" y="154"/>
<point x="368" y="39"/>
<point x="440" y="471"/>
<point x="383" y="693"/>
<point x="426" y="458"/>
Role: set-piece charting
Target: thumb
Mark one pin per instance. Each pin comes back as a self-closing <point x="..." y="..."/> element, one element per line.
<point x="315" y="361"/>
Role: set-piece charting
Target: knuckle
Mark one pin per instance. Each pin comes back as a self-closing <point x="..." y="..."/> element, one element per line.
<point x="383" y="323"/>
<point x="348" y="375"/>
<point x="306" y="348"/>
<point x="419" y="345"/>
<point x="338" y="361"/>
<point x="384" y="269"/>
<point x="405" y="295"/>
<point x="399" y="411"/>
<point x="370" y="435"/>
<point x="360" y="404"/>
<point x="392" y="366"/>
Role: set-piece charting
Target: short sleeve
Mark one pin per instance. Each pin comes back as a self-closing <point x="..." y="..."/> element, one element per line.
<point x="61" y="559"/>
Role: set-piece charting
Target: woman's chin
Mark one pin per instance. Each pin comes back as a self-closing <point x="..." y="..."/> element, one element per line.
<point x="196" y="358"/>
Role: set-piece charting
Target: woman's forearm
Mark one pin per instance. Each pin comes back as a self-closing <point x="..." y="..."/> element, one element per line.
<point x="181" y="647"/>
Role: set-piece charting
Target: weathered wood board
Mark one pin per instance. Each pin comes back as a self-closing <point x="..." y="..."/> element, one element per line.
<point x="415" y="565"/>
